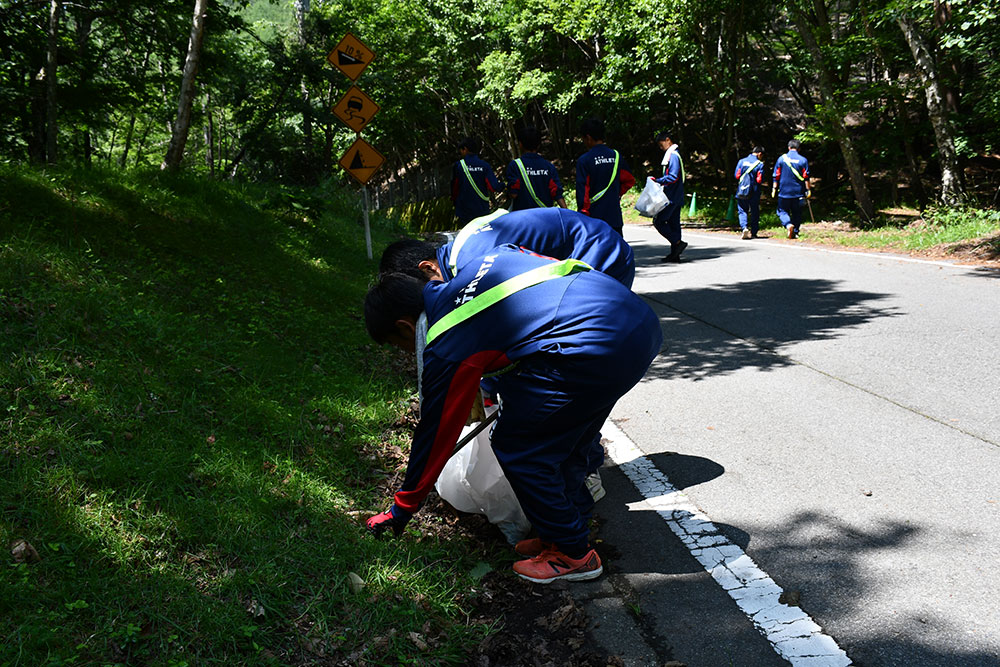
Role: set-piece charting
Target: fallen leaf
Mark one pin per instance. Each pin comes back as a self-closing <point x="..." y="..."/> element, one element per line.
<point x="418" y="641"/>
<point x="791" y="598"/>
<point x="23" y="552"/>
<point x="480" y="570"/>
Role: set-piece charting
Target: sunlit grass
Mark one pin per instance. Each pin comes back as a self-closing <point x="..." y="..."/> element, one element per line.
<point x="190" y="423"/>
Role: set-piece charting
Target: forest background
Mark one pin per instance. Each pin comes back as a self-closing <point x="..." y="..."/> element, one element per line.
<point x="193" y="422"/>
<point x="895" y="100"/>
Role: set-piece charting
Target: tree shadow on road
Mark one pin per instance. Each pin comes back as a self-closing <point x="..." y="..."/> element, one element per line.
<point x="712" y="330"/>
<point x="826" y="560"/>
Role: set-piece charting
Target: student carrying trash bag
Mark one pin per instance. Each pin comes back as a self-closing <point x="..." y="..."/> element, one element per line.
<point x="567" y="341"/>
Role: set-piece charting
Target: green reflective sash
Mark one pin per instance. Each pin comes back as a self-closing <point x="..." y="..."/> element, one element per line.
<point x="498" y="293"/>
<point x="466" y="233"/>
<point x="527" y="183"/>
<point x="475" y="187"/>
<point x="614" y="179"/>
<point x="785" y="159"/>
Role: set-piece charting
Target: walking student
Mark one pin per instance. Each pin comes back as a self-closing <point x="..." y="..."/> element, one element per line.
<point x="749" y="174"/>
<point x="668" y="221"/>
<point x="602" y="177"/>
<point x="791" y="182"/>
<point x="532" y="181"/>
<point x="572" y="342"/>
<point x="473" y="182"/>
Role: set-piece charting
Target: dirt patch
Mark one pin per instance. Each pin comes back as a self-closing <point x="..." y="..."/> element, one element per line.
<point x="536" y="626"/>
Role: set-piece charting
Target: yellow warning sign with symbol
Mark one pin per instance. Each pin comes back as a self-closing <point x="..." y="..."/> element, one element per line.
<point x="356" y="109"/>
<point x="361" y="160"/>
<point x="351" y="56"/>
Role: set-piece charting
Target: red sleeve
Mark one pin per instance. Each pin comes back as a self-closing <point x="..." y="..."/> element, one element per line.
<point x="627" y="180"/>
<point x="449" y="390"/>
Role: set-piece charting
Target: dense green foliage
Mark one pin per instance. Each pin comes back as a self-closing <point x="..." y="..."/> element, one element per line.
<point x="841" y="74"/>
<point x="192" y="426"/>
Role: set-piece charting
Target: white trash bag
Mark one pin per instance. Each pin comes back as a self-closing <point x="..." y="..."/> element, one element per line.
<point x="472" y="481"/>
<point x="652" y="200"/>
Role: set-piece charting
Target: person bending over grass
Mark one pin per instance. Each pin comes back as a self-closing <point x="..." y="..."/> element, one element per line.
<point x="567" y="342"/>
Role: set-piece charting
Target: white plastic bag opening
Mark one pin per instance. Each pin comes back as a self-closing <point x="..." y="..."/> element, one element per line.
<point x="473" y="482"/>
<point x="652" y="200"/>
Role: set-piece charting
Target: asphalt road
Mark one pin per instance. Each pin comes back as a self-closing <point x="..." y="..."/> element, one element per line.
<point x="836" y="416"/>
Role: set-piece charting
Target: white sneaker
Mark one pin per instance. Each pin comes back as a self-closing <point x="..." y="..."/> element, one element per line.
<point x="595" y="486"/>
<point x="746" y="233"/>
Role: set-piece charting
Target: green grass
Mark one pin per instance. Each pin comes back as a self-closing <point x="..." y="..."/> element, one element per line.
<point x="192" y="426"/>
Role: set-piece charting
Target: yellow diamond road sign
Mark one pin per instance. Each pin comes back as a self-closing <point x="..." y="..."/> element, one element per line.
<point x="361" y="160"/>
<point x="351" y="56"/>
<point x="356" y="109"/>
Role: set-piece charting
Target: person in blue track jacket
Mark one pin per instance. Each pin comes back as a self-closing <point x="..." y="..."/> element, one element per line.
<point x="668" y="221"/>
<point x="749" y="176"/>
<point x="532" y="181"/>
<point x="566" y="342"/>
<point x="553" y="232"/>
<point x="473" y="183"/>
<point x="791" y="182"/>
<point x="602" y="177"/>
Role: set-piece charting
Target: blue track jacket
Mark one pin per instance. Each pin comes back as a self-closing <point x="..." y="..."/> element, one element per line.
<point x="594" y="170"/>
<point x="755" y="181"/>
<point x="544" y="181"/>
<point x="789" y="185"/>
<point x="468" y="203"/>
<point x="573" y="317"/>
<point x="553" y="232"/>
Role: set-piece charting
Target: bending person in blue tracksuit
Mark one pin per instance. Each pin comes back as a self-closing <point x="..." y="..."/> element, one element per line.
<point x="568" y="342"/>
<point x="749" y="174"/>
<point x="791" y="181"/>
<point x="473" y="182"/>
<point x="552" y="232"/>
<point x="668" y="221"/>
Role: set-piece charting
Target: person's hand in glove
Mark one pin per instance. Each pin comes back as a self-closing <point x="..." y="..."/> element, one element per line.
<point x="395" y="519"/>
<point x="774" y="192"/>
<point x="809" y="193"/>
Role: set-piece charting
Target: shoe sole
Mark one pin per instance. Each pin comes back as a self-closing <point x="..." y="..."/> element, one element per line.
<point x="572" y="576"/>
<point x="600" y="493"/>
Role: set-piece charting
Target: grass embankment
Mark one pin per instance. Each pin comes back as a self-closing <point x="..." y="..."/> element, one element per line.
<point x="192" y="427"/>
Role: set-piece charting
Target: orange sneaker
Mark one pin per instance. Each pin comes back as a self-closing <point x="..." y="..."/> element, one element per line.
<point x="552" y="564"/>
<point x="532" y="547"/>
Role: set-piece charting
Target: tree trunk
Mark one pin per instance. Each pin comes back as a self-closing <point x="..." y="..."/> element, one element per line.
<point x="209" y="137"/>
<point x="51" y="128"/>
<point x="826" y="88"/>
<point x="175" y="152"/>
<point x="301" y="11"/>
<point x="952" y="193"/>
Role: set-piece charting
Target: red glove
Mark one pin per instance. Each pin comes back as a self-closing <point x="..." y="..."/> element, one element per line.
<point x="395" y="518"/>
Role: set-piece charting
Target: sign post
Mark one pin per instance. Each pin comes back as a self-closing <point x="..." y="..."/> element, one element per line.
<point x="356" y="110"/>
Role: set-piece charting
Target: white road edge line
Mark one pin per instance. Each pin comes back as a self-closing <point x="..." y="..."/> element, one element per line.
<point x="876" y="255"/>
<point x="792" y="633"/>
